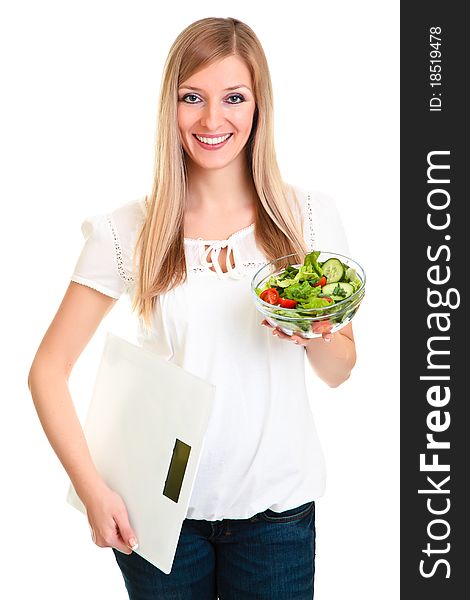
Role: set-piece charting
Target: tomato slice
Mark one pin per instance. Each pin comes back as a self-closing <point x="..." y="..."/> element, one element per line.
<point x="271" y="296"/>
<point x="322" y="326"/>
<point x="287" y="303"/>
<point x="321" y="282"/>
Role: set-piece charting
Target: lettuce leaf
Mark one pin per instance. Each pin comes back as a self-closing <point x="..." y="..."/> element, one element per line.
<point x="315" y="302"/>
<point x="302" y="292"/>
<point x="293" y="276"/>
<point x="311" y="260"/>
<point x="353" y="279"/>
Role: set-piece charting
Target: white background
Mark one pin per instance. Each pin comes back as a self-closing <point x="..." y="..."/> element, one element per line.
<point x="80" y="83"/>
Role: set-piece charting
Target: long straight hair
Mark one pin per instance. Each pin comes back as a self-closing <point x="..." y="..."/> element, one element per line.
<point x="159" y="249"/>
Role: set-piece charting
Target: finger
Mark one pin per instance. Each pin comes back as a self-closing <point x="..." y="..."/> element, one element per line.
<point x="126" y="532"/>
<point x="277" y="331"/>
<point x="299" y="340"/>
<point x="118" y="543"/>
<point x="113" y="539"/>
<point x="327" y="337"/>
<point x="291" y="338"/>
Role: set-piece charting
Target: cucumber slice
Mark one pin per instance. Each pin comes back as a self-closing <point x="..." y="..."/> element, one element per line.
<point x="337" y="290"/>
<point x="332" y="270"/>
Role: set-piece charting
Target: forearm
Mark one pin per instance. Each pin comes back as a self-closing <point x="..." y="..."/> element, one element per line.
<point x="50" y="393"/>
<point x="332" y="361"/>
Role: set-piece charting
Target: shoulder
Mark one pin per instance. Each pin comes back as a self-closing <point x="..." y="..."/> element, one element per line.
<point x="121" y="219"/>
<point x="118" y="227"/>
<point x="323" y="227"/>
<point x="125" y="222"/>
<point x="106" y="259"/>
<point x="308" y="198"/>
<point x="127" y="217"/>
<point x="312" y="205"/>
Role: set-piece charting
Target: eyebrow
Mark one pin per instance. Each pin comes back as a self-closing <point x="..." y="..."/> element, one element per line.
<point x="233" y="87"/>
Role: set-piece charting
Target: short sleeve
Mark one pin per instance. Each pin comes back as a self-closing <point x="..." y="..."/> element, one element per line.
<point x="328" y="230"/>
<point x="97" y="265"/>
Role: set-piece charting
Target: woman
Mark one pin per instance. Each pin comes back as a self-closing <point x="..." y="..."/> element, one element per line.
<point x="186" y="255"/>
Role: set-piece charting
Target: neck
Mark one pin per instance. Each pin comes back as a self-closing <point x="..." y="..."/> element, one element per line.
<point x="230" y="188"/>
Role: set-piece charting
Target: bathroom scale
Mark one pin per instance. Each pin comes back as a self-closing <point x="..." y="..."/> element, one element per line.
<point x="145" y="429"/>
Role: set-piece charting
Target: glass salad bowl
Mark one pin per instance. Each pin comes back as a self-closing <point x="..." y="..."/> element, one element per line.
<point x="320" y="295"/>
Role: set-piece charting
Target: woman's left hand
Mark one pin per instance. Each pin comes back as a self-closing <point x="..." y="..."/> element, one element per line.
<point x="295" y="338"/>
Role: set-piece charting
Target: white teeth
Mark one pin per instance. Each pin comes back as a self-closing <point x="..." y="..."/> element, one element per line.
<point x="212" y="141"/>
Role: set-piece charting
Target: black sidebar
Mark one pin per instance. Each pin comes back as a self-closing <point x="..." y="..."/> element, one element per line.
<point x="435" y="313"/>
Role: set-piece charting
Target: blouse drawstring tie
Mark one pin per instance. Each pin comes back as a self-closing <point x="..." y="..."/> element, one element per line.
<point x="215" y="247"/>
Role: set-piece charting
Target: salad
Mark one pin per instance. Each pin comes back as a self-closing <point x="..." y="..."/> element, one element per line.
<point x="313" y="285"/>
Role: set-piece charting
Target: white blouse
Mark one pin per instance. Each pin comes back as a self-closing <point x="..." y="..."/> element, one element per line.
<point x="261" y="448"/>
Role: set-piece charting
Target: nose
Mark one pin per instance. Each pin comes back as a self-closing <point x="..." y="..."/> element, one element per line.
<point x="212" y="116"/>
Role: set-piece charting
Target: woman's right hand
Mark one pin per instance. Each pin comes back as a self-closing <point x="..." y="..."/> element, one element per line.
<point x="109" y="521"/>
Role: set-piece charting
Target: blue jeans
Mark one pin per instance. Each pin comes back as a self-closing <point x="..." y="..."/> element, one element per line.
<point x="270" y="556"/>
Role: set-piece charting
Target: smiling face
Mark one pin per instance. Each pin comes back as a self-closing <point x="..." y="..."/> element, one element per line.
<point x="209" y="109"/>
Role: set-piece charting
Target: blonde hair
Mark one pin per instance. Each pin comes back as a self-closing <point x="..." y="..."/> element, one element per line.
<point x="160" y="243"/>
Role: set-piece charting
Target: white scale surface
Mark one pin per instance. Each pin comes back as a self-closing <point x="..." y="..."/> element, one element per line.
<point x="140" y="406"/>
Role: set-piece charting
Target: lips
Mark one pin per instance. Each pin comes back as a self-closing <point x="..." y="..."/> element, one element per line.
<point x="213" y="146"/>
<point x="206" y="135"/>
<point x="212" y="137"/>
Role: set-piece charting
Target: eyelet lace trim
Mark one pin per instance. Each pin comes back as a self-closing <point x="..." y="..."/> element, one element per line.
<point x="247" y="265"/>
<point x="254" y="265"/>
<point x="311" y="232"/>
<point x="193" y="269"/>
<point x="236" y="234"/>
<point x="197" y="269"/>
<point x="201" y="269"/>
<point x="118" y="251"/>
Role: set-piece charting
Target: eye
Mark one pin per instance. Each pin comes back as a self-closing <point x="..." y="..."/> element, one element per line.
<point x="184" y="98"/>
<point x="188" y="96"/>
<point x="237" y="96"/>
